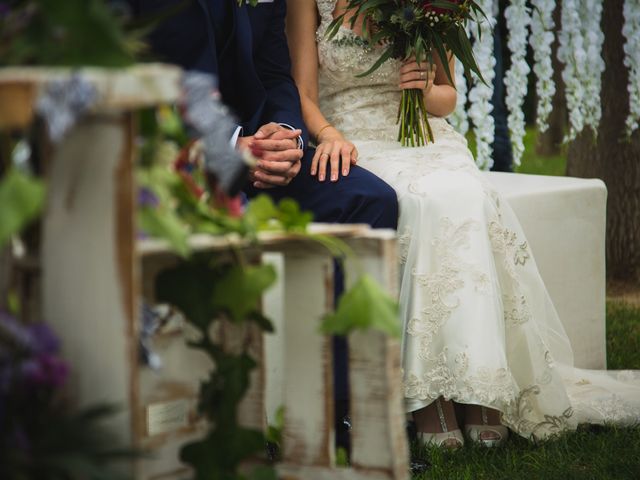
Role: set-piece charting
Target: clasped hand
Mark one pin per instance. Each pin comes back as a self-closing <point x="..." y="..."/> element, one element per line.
<point x="280" y="160"/>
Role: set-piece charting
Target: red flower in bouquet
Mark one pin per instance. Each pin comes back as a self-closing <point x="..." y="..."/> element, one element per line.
<point x="416" y="29"/>
<point x="428" y="6"/>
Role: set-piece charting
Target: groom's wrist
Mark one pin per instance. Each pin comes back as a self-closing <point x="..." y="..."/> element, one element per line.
<point x="299" y="140"/>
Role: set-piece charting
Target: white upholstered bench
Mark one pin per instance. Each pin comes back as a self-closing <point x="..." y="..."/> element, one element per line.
<point x="565" y="220"/>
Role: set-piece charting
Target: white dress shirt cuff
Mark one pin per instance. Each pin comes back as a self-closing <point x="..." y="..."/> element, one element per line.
<point x="236" y="135"/>
<point x="300" y="141"/>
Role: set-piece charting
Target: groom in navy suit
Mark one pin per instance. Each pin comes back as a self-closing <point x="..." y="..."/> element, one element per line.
<point x="246" y="48"/>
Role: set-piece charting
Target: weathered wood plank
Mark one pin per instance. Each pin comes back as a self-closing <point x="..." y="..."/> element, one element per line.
<point x="377" y="412"/>
<point x="82" y="281"/>
<point x="308" y="292"/>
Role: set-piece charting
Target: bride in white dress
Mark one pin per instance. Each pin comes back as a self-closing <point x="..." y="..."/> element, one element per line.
<point x="479" y="327"/>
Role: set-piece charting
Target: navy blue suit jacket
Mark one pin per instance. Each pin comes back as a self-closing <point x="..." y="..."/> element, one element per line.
<point x="253" y="65"/>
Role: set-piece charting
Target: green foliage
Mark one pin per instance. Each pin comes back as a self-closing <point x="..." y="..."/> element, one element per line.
<point x="533" y="163"/>
<point x="208" y="293"/>
<point x="623" y="336"/>
<point x="364" y="306"/>
<point x="21" y="200"/>
<point x="274" y="431"/>
<point x="65" y="445"/>
<point x="240" y="290"/>
<point x="595" y="453"/>
<point x="64" y="33"/>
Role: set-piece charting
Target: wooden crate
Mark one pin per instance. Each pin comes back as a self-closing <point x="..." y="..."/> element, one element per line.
<point x="96" y="272"/>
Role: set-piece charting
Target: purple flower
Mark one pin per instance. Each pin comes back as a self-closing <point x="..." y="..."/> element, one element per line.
<point x="13" y="333"/>
<point x="45" y="371"/>
<point x="146" y="198"/>
<point x="43" y="339"/>
<point x="28" y="355"/>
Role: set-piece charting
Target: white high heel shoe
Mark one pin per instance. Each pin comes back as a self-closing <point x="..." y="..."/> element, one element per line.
<point x="450" y="439"/>
<point x="474" y="432"/>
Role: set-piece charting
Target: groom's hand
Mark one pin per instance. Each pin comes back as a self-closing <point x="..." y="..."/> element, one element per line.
<point x="280" y="161"/>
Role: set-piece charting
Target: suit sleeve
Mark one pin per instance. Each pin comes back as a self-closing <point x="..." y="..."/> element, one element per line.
<point x="273" y="66"/>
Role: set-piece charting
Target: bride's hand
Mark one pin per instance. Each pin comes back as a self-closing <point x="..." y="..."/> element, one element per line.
<point x="418" y="76"/>
<point x="332" y="150"/>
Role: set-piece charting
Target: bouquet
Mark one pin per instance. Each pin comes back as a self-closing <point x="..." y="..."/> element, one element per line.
<point x="415" y="29"/>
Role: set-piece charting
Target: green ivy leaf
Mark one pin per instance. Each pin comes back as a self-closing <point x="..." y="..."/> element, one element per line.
<point x="166" y="225"/>
<point x="220" y="453"/>
<point x="263" y="473"/>
<point x="260" y="212"/>
<point x="291" y="217"/>
<point x="189" y="287"/>
<point x="364" y="306"/>
<point x="239" y="291"/>
<point x="274" y="430"/>
<point x="21" y="200"/>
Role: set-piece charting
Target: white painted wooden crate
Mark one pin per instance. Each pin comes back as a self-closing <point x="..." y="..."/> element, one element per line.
<point x="95" y="273"/>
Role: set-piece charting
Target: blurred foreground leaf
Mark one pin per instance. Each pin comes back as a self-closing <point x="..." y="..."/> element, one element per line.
<point x="21" y="199"/>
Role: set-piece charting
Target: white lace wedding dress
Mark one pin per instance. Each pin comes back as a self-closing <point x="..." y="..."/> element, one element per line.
<point x="479" y="326"/>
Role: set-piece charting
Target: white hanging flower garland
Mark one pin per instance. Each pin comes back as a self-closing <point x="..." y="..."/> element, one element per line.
<point x="480" y="93"/>
<point x="458" y="118"/>
<point x="518" y="19"/>
<point x="593" y="36"/>
<point x="571" y="53"/>
<point x="541" y="40"/>
<point x="631" y="31"/>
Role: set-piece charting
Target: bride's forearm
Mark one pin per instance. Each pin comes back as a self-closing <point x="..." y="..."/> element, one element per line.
<point x="316" y="123"/>
<point x="441" y="100"/>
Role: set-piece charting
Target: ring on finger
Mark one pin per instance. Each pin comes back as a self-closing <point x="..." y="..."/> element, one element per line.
<point x="422" y="75"/>
<point x="324" y="153"/>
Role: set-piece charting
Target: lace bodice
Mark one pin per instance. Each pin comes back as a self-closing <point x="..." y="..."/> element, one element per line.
<point x="362" y="108"/>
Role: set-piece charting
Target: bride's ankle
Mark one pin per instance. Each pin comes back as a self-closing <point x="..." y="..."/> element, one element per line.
<point x="437" y="417"/>
<point x="479" y="415"/>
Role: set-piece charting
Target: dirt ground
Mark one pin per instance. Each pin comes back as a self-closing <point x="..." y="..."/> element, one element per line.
<point x="624" y="292"/>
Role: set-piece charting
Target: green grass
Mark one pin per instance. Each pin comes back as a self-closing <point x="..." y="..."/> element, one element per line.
<point x="594" y="453"/>
<point x="531" y="161"/>
<point x="590" y="453"/>
<point x="623" y="336"/>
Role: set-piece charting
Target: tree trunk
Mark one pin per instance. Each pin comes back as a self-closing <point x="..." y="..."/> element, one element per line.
<point x="614" y="159"/>
<point x="549" y="142"/>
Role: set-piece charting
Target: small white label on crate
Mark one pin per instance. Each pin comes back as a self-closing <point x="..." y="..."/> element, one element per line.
<point x="167" y="416"/>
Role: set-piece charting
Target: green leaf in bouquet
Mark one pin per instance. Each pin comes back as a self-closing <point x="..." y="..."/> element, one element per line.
<point x="240" y="289"/>
<point x="444" y="58"/>
<point x="364" y="306"/>
<point x="21" y="200"/>
<point x="386" y="55"/>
